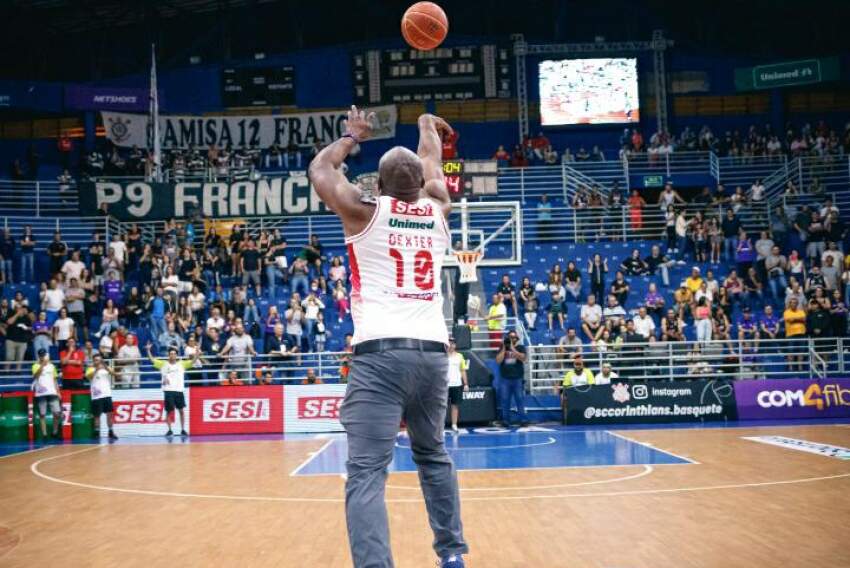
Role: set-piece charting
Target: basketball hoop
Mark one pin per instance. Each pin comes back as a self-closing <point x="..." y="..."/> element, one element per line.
<point x="467" y="261"/>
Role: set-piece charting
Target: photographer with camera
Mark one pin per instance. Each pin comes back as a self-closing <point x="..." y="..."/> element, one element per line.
<point x="511" y="360"/>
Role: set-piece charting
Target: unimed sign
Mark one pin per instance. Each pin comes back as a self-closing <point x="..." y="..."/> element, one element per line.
<point x="787" y="73"/>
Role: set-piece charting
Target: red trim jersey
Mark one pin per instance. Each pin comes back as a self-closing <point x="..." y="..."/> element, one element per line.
<point x="396" y="261"/>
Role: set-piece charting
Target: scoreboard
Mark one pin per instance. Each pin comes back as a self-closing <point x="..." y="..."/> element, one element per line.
<point x="258" y="86"/>
<point x="442" y="74"/>
<point x="470" y="178"/>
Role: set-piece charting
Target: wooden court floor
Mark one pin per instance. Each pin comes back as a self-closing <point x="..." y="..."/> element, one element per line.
<point x="743" y="504"/>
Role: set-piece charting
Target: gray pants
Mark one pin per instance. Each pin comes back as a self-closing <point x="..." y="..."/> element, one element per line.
<point x="383" y="388"/>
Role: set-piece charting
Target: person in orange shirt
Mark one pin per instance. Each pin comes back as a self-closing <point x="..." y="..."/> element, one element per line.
<point x="795" y="328"/>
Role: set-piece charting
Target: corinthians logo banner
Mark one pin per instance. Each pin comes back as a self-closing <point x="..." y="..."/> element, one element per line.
<point x="139" y="200"/>
<point x="302" y="129"/>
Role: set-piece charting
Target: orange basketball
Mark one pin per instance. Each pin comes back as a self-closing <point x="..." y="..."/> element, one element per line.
<point x="424" y="26"/>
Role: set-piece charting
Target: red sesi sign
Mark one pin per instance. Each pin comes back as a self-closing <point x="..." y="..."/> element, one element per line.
<point x="319" y="408"/>
<point x="237" y="410"/>
<point x="404" y="208"/>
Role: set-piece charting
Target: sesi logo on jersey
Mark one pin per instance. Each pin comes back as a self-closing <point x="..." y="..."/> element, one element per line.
<point x="139" y="412"/>
<point x="237" y="410"/>
<point x="319" y="408"/>
<point x="415" y="209"/>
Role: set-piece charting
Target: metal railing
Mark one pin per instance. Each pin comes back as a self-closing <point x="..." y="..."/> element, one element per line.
<point x="75" y="233"/>
<point x="38" y="197"/>
<point x="669" y="164"/>
<point x="743" y="171"/>
<point x="669" y="361"/>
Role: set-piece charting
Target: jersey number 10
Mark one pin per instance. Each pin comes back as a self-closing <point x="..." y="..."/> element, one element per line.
<point x="423" y="269"/>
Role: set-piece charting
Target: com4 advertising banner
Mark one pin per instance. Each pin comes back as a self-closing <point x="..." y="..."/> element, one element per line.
<point x="312" y="408"/>
<point x="142" y="413"/>
<point x="793" y="398"/>
<point x="237" y="410"/>
<point x="642" y="402"/>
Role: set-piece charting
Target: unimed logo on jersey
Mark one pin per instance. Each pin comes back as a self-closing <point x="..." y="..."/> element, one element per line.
<point x="404" y="208"/>
<point x="139" y="411"/>
<point x="319" y="407"/>
<point x="237" y="410"/>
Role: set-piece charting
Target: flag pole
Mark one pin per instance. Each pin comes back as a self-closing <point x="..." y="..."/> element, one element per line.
<point x="154" y="144"/>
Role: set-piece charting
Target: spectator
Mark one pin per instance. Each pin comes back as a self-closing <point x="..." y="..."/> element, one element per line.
<point x="458" y="383"/>
<point x="769" y="324"/>
<point x="579" y="375"/>
<point x="654" y="301"/>
<point x="636" y="206"/>
<point x="591" y="317"/>
<point x="158" y="307"/>
<point x="831" y="273"/>
<point x="557" y="310"/>
<point x="620" y="288"/>
<point x="605" y="375"/>
<point x="311" y="378"/>
<point x="569" y="344"/>
<point x="496" y="318"/>
<point x="634" y="265"/>
<point x="544" y="218"/>
<point x="597" y="267"/>
<point x="294" y="322"/>
<point x="657" y="262"/>
<point x="340" y="296"/>
<point x="508" y="291"/>
<point x="250" y="266"/>
<point x="644" y="324"/>
<point x="170" y="339"/>
<point x="27" y="256"/>
<point x="501" y="155"/>
<point x="775" y="265"/>
<point x="7" y="253"/>
<point x="299" y="276"/>
<point x="238" y="349"/>
<point x="672" y="327"/>
<point x="745" y="253"/>
<point x="614" y="310"/>
<point x="795" y="328"/>
<point x="839" y="311"/>
<point x="530" y="302"/>
<point x="730" y="227"/>
<point x="63" y="329"/>
<point x="128" y="360"/>
<point x="45" y="387"/>
<point x="311" y="305"/>
<point x="42" y="331"/>
<point x="572" y="280"/>
<point x="511" y="360"/>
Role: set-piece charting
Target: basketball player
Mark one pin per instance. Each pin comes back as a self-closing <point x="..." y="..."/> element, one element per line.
<point x="396" y="243"/>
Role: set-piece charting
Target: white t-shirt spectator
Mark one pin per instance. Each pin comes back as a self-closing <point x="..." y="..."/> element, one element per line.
<point x="72" y="269"/>
<point x="311" y="309"/>
<point x="215" y="323"/>
<point x="239" y="345"/>
<point x="63" y="327"/>
<point x="615" y="312"/>
<point x="105" y="344"/>
<point x="120" y="248"/>
<point x="45" y="385"/>
<point x="644" y="326"/>
<point x="54" y="300"/>
<point x="196" y="302"/>
<point x="171" y="284"/>
<point x="591" y="314"/>
<point x="601" y="379"/>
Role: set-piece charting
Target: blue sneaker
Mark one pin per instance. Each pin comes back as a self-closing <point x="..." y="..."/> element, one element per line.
<point x="454" y="561"/>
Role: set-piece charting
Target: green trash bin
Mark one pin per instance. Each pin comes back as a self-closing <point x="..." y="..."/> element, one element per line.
<point x="15" y="419"/>
<point x="82" y="424"/>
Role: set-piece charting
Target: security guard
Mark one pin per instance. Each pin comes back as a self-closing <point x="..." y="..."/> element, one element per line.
<point x="577" y="376"/>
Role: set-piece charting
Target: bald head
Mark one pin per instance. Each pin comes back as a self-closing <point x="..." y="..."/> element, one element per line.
<point x="400" y="174"/>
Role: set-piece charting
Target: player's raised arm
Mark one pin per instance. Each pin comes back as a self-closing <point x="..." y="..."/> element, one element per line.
<point x="333" y="188"/>
<point x="430" y="151"/>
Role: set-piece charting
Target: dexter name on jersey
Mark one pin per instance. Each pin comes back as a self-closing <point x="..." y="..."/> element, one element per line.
<point x="400" y="240"/>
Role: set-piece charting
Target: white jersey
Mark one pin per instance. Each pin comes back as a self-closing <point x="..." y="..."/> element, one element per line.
<point x="45" y="384"/>
<point x="396" y="263"/>
<point x="457" y="364"/>
<point x="101" y="384"/>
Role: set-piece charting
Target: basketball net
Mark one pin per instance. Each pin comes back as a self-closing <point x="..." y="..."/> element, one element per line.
<point x="467" y="261"/>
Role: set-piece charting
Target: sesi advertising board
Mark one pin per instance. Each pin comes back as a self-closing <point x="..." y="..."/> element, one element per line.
<point x="312" y="408"/>
<point x="142" y="412"/>
<point x="237" y="410"/>
<point x="793" y="398"/>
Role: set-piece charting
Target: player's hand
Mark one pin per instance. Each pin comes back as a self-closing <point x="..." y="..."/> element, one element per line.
<point x="359" y="124"/>
<point x="444" y="130"/>
<point x="465" y="388"/>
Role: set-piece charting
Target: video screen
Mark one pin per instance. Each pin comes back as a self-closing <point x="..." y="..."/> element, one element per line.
<point x="588" y="91"/>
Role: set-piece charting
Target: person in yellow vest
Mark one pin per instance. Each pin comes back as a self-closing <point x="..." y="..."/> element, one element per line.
<point x="458" y="383"/>
<point x="497" y="316"/>
<point x="577" y="376"/>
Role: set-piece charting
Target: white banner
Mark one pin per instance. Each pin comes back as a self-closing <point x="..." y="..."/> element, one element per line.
<point x="312" y="408"/>
<point x="302" y="129"/>
<point x="141" y="412"/>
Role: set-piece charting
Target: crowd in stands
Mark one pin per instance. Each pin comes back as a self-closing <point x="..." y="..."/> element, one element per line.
<point x="227" y="298"/>
<point x="789" y="280"/>
<point x="819" y="140"/>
